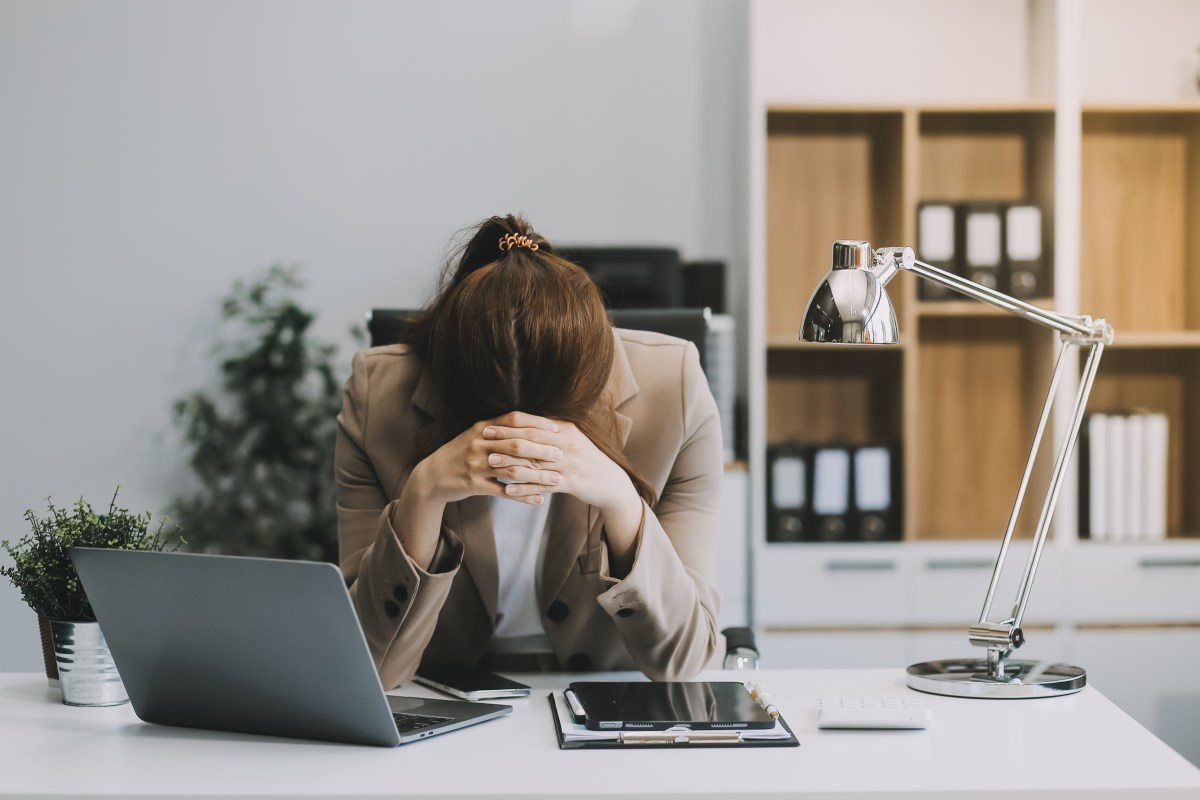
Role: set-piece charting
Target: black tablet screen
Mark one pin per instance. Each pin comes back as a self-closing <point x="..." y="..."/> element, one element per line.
<point x="699" y="705"/>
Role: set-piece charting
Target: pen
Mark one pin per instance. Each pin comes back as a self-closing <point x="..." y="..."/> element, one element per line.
<point x="763" y="699"/>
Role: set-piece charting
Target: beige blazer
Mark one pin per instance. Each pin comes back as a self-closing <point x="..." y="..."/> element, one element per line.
<point x="661" y="619"/>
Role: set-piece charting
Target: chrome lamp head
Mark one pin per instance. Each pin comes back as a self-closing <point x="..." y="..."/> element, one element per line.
<point x="851" y="306"/>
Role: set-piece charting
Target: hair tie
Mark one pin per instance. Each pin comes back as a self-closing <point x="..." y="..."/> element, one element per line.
<point x="512" y="240"/>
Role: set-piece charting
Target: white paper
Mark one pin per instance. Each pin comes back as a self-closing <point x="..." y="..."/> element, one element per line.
<point x="787" y="482"/>
<point x="1134" y="476"/>
<point x="983" y="239"/>
<point x="1154" y="468"/>
<point x="935" y="233"/>
<point x="1101" y="529"/>
<point x="831" y="481"/>
<point x="1024" y="233"/>
<point x="1114" y="482"/>
<point x="872" y="479"/>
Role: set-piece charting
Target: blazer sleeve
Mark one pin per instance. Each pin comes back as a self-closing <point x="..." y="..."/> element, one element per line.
<point x="666" y="607"/>
<point x="397" y="600"/>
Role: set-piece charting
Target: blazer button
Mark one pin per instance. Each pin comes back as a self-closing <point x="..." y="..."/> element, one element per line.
<point x="557" y="611"/>
<point x="579" y="663"/>
<point x="625" y="612"/>
<point x="401" y="594"/>
<point x="391" y="609"/>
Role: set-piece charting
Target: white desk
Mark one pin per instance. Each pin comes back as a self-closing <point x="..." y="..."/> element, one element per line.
<point x="1080" y="746"/>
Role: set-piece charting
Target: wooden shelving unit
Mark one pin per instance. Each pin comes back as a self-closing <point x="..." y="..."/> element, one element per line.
<point x="963" y="390"/>
<point x="1141" y="228"/>
<point x="965" y="377"/>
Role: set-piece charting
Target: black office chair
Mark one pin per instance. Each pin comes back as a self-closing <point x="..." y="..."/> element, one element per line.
<point x="388" y="325"/>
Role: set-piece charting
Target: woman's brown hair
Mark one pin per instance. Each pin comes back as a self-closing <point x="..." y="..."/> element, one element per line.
<point x="518" y="328"/>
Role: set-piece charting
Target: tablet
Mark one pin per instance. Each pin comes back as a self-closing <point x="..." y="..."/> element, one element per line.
<point x="698" y="705"/>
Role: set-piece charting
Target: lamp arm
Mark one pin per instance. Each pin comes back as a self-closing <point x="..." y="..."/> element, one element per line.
<point x="1001" y="637"/>
<point x="888" y="260"/>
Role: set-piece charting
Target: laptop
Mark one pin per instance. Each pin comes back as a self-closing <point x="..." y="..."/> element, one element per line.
<point x="252" y="645"/>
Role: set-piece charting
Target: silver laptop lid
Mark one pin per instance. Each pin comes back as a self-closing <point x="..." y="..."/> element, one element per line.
<point x="230" y="643"/>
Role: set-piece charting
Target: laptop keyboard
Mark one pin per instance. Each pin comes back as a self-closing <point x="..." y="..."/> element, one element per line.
<point x="415" y="722"/>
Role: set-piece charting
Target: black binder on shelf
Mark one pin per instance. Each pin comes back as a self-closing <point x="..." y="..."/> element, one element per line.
<point x="983" y="243"/>
<point x="832" y="497"/>
<point x="789" y="487"/>
<point x="1028" y="275"/>
<point x="877" y="472"/>
<point x="938" y="239"/>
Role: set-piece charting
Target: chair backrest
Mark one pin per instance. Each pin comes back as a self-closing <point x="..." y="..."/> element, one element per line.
<point x="387" y="325"/>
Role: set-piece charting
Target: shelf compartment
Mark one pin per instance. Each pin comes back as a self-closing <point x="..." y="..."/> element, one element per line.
<point x="830" y="175"/>
<point x="981" y="384"/>
<point x="835" y="394"/>
<point x="988" y="155"/>
<point x="1168" y="381"/>
<point x="1141" y="219"/>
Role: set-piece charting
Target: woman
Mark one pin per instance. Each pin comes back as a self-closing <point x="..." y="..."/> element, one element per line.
<point x="520" y="485"/>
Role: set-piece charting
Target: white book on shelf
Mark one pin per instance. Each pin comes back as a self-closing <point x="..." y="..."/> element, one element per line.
<point x="1114" y="477"/>
<point x="1135" y="444"/>
<point x="1154" y="472"/>
<point x="1099" y="528"/>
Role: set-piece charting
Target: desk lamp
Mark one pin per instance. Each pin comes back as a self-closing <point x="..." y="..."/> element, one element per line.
<point x="850" y="306"/>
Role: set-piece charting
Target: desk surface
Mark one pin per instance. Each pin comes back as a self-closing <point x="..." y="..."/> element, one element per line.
<point x="1077" y="746"/>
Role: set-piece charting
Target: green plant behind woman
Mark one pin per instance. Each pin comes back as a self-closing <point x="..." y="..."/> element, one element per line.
<point x="262" y="445"/>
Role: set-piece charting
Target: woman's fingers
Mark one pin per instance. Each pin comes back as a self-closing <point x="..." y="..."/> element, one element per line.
<point x="521" y="448"/>
<point x="519" y="473"/>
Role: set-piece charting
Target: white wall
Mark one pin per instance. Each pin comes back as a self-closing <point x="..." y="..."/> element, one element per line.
<point x="151" y="152"/>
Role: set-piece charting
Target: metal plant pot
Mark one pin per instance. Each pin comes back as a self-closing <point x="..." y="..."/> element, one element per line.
<point x="85" y="666"/>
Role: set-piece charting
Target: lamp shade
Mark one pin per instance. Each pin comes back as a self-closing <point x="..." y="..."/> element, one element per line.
<point x="850" y="306"/>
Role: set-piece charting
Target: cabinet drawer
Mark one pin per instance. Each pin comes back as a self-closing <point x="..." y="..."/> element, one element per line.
<point x="825" y="586"/>
<point x="1135" y="583"/>
<point x="950" y="584"/>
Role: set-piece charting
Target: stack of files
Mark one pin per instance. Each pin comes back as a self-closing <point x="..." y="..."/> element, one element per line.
<point x="995" y="244"/>
<point x="833" y="493"/>
<point x="1123" y="477"/>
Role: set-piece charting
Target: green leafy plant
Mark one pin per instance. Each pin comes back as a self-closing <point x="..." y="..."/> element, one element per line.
<point x="262" y="447"/>
<point x="42" y="570"/>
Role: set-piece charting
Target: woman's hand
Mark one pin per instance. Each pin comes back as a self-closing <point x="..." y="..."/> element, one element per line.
<point x="582" y="470"/>
<point x="481" y="461"/>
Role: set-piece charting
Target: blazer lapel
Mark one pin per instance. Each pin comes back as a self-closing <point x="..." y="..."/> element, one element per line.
<point x="479" y="549"/>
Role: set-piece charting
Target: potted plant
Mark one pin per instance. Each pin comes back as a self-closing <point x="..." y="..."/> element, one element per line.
<point x="44" y="574"/>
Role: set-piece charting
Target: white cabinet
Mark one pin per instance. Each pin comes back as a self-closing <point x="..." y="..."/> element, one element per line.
<point x="1113" y="583"/>
<point x="1151" y="674"/>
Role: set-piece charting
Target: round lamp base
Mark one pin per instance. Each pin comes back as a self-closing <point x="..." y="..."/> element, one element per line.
<point x="968" y="677"/>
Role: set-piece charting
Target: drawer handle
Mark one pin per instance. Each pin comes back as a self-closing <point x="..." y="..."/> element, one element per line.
<point x="1152" y="563"/>
<point x="860" y="566"/>
<point x="959" y="563"/>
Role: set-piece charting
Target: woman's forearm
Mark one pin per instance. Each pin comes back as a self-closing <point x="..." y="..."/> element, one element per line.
<point x="417" y="519"/>
<point x="622" y="521"/>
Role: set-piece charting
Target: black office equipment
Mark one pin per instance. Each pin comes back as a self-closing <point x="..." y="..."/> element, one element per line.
<point x="789" y="487"/>
<point x="632" y="277"/>
<point x="704" y="285"/>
